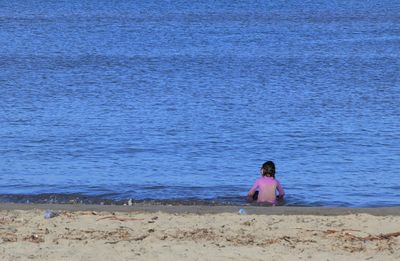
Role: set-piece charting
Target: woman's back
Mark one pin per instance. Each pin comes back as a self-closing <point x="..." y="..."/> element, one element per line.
<point x="267" y="187"/>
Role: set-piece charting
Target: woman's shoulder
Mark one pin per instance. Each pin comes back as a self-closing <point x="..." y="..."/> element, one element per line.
<point x="260" y="179"/>
<point x="278" y="182"/>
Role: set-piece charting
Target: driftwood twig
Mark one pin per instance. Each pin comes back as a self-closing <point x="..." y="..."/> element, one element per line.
<point x="371" y="237"/>
<point x="140" y="238"/>
<point x="120" y="218"/>
<point x="381" y="236"/>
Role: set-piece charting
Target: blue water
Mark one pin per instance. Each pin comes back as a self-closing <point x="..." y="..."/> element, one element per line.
<point x="181" y="100"/>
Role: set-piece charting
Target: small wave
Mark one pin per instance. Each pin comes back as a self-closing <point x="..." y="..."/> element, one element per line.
<point x="113" y="199"/>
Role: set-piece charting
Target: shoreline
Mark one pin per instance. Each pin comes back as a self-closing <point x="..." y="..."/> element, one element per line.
<point x="206" y="209"/>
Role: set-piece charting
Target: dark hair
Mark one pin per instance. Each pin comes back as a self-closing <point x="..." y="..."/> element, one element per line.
<point x="268" y="169"/>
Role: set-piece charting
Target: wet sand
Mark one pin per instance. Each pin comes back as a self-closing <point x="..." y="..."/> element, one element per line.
<point x="158" y="232"/>
<point x="204" y="209"/>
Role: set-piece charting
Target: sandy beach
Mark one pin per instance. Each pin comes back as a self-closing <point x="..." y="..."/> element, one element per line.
<point x="145" y="232"/>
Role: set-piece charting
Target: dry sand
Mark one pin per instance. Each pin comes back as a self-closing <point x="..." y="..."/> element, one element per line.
<point x="209" y="233"/>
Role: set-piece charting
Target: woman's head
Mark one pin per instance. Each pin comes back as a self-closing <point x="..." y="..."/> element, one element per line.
<point x="268" y="169"/>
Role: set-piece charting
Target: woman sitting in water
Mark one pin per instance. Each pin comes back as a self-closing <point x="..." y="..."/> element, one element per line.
<point x="265" y="187"/>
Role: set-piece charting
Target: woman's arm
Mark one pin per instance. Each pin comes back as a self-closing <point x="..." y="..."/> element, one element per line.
<point x="253" y="189"/>
<point x="280" y="189"/>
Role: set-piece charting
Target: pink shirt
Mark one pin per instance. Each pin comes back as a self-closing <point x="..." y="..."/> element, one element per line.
<point x="267" y="187"/>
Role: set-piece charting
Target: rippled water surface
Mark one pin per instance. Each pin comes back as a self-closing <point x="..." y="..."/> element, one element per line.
<point x="180" y="100"/>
